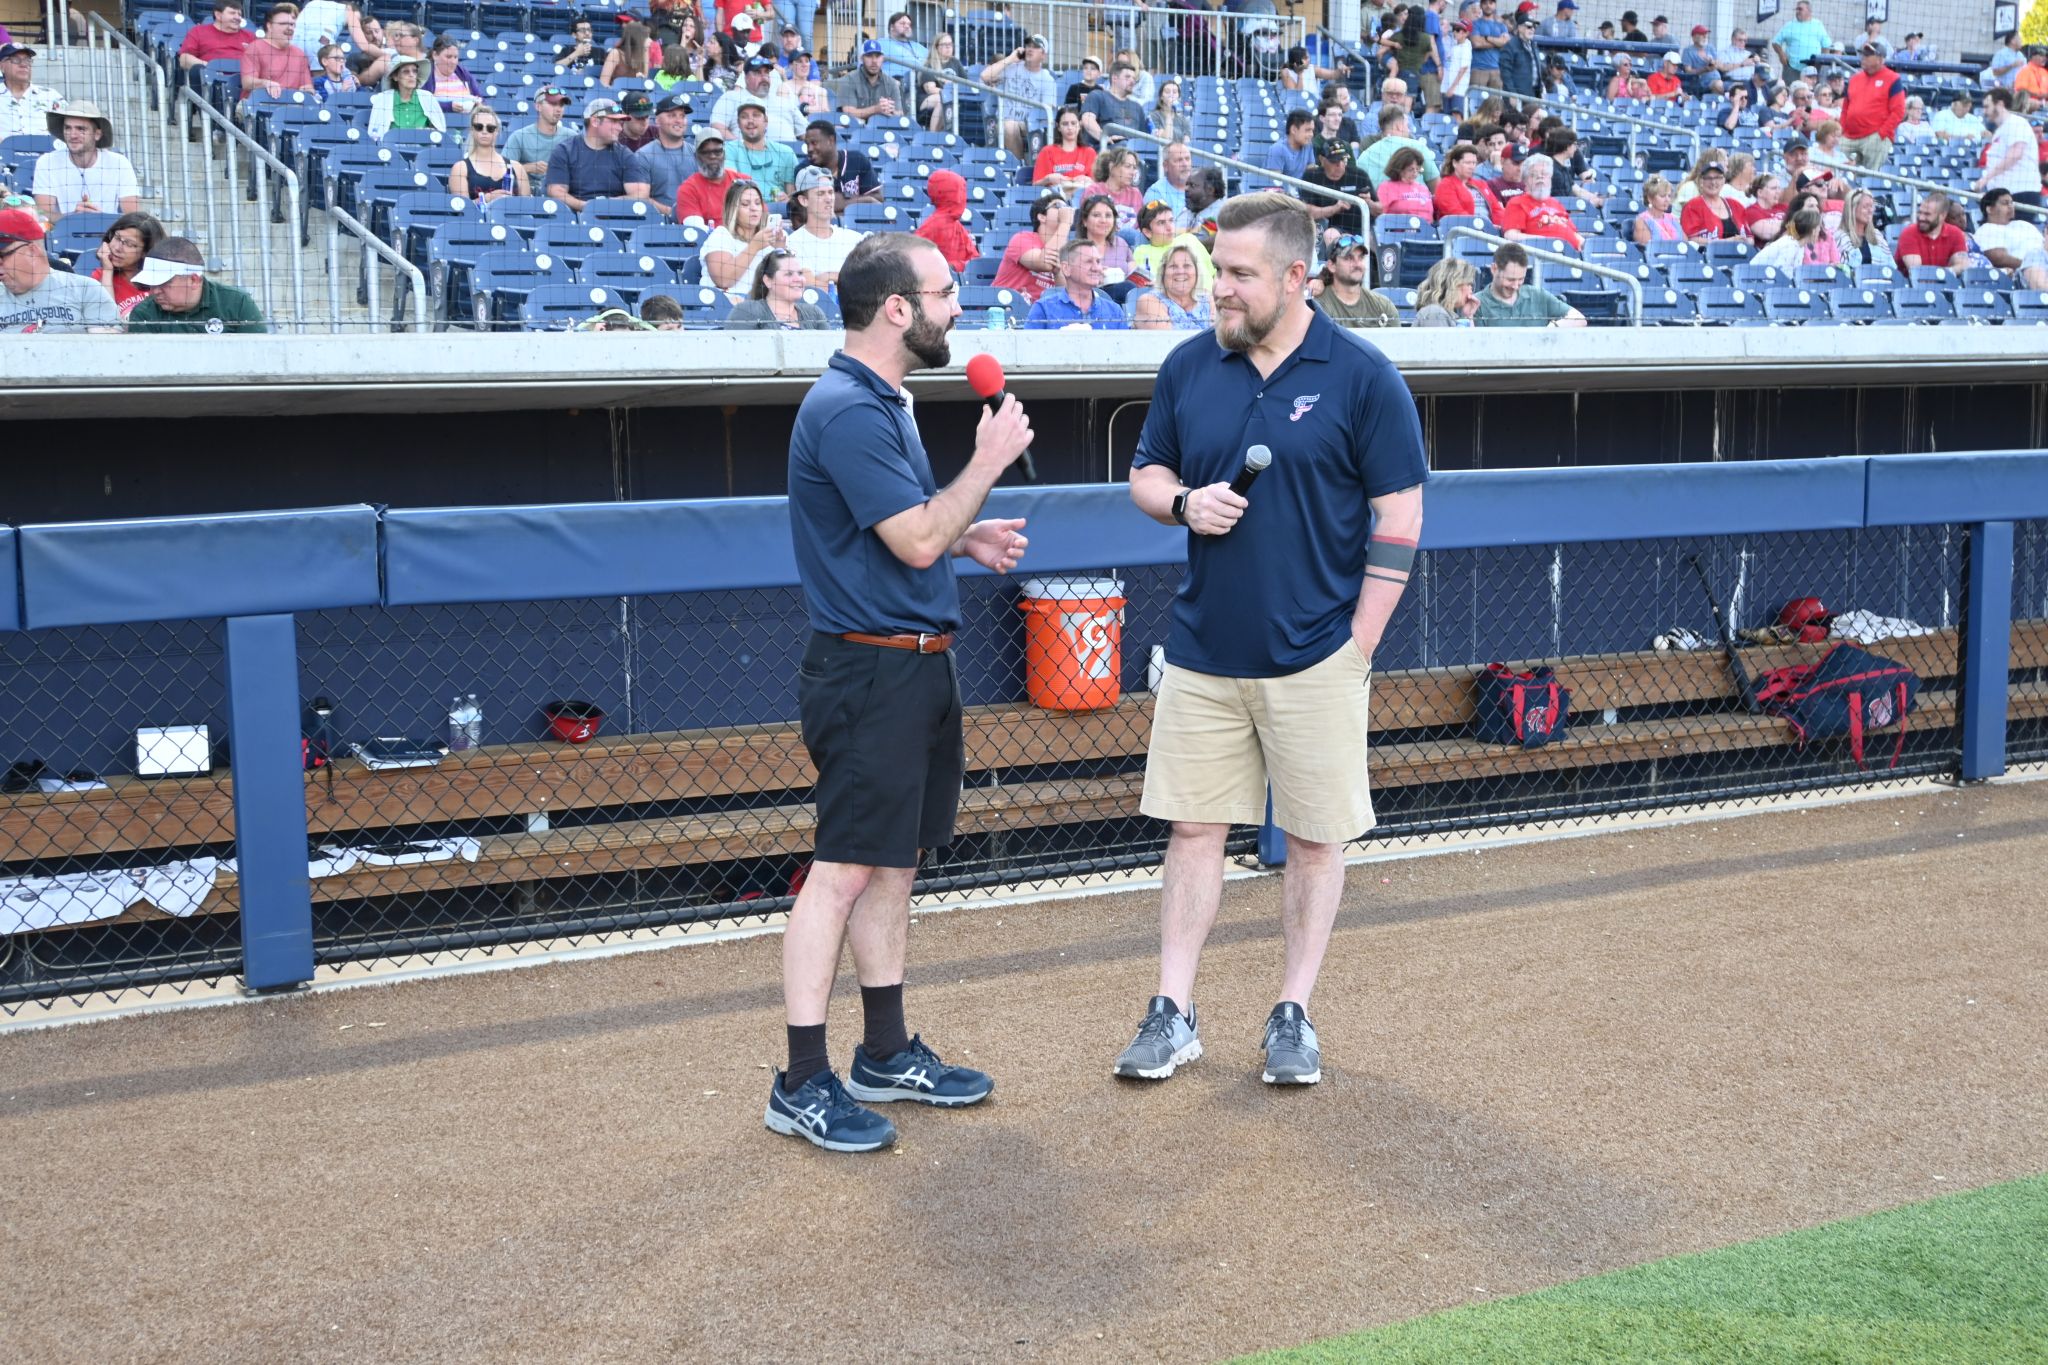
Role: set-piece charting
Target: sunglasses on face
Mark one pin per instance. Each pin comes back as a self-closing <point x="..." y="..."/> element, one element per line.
<point x="483" y="127"/>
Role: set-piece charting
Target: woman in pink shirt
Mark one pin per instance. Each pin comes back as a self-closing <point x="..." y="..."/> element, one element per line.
<point x="1403" y="190"/>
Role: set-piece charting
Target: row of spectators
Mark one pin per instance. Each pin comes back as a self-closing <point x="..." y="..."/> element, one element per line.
<point x="145" y="281"/>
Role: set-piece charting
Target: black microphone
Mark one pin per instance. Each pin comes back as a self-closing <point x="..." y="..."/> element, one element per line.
<point x="1255" y="461"/>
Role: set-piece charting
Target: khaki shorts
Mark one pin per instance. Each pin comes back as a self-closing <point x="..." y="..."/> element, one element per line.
<point x="1218" y="742"/>
<point x="1486" y="80"/>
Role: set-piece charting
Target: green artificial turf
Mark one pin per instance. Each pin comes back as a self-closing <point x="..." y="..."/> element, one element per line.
<point x="1962" y="1278"/>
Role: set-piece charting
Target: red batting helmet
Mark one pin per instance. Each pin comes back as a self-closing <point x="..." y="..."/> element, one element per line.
<point x="1806" y="615"/>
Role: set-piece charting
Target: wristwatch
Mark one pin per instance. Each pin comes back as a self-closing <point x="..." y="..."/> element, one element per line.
<point x="1180" y="506"/>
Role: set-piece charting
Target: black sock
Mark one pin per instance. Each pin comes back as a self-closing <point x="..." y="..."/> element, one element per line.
<point x="806" y="1055"/>
<point x="882" y="1007"/>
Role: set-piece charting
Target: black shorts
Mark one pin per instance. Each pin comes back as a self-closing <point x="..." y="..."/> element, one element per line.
<point x="883" y="729"/>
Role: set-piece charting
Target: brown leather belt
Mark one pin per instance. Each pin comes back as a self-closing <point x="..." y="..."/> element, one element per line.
<point x="922" y="644"/>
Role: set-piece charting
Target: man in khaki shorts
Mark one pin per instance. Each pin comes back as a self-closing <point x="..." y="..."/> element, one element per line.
<point x="1288" y="592"/>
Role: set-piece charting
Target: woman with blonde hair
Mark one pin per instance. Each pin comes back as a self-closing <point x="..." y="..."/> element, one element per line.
<point x="1860" y="240"/>
<point x="1657" y="223"/>
<point x="1447" y="294"/>
<point x="733" y="252"/>
<point x="485" y="173"/>
<point x="1742" y="173"/>
<point x="1178" y="302"/>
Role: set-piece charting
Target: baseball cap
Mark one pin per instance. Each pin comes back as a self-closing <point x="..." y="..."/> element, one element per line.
<point x="15" y="50"/>
<point x="1460" y="26"/>
<point x="672" y="101"/>
<point x="1563" y="5"/>
<point x="1036" y="40"/>
<point x="1671" y="59"/>
<point x="761" y="61"/>
<point x="1350" y="241"/>
<point x="1878" y="48"/>
<point x="812" y="178"/>
<point x="155" y="270"/>
<point x="751" y="102"/>
<point x="1698" y="29"/>
<point x="602" y="107"/>
<point x="743" y="23"/>
<point x="552" y="92"/>
<point x="705" y="135"/>
<point x="19" y="225"/>
<point x="870" y="48"/>
<point x="635" y="104"/>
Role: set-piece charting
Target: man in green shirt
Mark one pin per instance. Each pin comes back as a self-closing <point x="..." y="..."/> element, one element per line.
<point x="1510" y="301"/>
<point x="182" y="299"/>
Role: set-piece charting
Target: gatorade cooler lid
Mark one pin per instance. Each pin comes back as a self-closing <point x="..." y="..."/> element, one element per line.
<point x="1072" y="589"/>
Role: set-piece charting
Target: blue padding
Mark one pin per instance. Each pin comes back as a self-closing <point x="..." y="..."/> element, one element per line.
<point x="537" y="554"/>
<point x="522" y="554"/>
<point x="1925" y="490"/>
<point x="94" y="573"/>
<point x="1498" y="507"/>
<point x="10" y="582"/>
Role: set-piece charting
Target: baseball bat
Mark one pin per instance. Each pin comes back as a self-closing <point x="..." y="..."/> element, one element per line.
<point x="1744" y="686"/>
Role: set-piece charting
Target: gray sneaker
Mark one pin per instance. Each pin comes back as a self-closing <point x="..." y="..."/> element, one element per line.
<point x="1164" y="1041"/>
<point x="1292" y="1056"/>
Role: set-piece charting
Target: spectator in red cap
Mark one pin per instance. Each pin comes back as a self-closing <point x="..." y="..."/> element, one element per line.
<point x="1872" y="110"/>
<point x="941" y="227"/>
<point x="35" y="298"/>
<point x="1701" y="65"/>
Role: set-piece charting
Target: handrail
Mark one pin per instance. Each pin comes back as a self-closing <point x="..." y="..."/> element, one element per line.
<point x="1918" y="184"/>
<point x="1342" y="196"/>
<point x="155" y="167"/>
<point x="997" y="113"/>
<point x="373" y="248"/>
<point x="1539" y="255"/>
<point x="1634" y="121"/>
<point x="262" y="156"/>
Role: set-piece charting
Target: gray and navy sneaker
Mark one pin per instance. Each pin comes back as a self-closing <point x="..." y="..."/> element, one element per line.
<point x="916" y="1073"/>
<point x="1292" y="1056"/>
<point x="820" y="1111"/>
<point x="1165" y="1039"/>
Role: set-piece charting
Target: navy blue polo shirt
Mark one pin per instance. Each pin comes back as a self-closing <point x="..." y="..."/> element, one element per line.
<point x="1275" y="595"/>
<point x="854" y="460"/>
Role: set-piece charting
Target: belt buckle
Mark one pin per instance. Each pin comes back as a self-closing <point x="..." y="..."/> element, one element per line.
<point x="922" y="637"/>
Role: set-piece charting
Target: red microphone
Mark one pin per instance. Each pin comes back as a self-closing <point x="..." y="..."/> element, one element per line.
<point x="985" y="377"/>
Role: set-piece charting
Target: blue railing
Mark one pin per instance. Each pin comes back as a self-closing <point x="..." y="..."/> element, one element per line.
<point x="259" y="571"/>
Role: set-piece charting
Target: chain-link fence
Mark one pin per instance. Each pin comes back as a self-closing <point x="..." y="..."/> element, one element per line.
<point x="2026" y="737"/>
<point x="480" y="777"/>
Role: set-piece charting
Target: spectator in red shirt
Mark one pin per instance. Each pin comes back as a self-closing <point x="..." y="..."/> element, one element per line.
<point x="1710" y="214"/>
<point x="703" y="194"/>
<point x="1872" y="110"/>
<point x="1664" y="82"/>
<point x="1032" y="259"/>
<point x="1533" y="213"/>
<point x="1932" y="239"/>
<point x="1460" y="191"/>
<point x="273" y="63"/>
<point x="221" y="40"/>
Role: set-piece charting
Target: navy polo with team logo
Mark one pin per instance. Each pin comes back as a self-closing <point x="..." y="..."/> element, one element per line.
<point x="1275" y="595"/>
<point x="855" y="459"/>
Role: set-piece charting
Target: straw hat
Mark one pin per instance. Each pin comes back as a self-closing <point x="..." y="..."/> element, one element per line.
<point x="84" y="109"/>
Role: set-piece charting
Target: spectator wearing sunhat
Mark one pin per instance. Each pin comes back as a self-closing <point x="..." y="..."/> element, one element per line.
<point x="595" y="166"/>
<point x="403" y="104"/>
<point x="1563" y="24"/>
<point x="25" y="107"/>
<point x="533" y="144"/>
<point x="702" y="196"/>
<point x="867" y="90"/>
<point x="36" y="298"/>
<point x="183" y="300"/>
<point x="86" y="176"/>
<point x="638" y="107"/>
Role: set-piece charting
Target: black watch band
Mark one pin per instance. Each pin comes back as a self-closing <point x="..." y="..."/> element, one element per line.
<point x="1180" y="506"/>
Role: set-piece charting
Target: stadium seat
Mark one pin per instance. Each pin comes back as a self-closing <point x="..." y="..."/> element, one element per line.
<point x="880" y="218"/>
<point x="382" y="189"/>
<point x="1982" y="305"/>
<point x="976" y="300"/>
<point x="676" y="243"/>
<point x="1860" y="305"/>
<point x="456" y="248"/>
<point x="527" y="213"/>
<point x="503" y="278"/>
<point x="1668" y="307"/>
<point x="417" y="217"/>
<point x="1876" y="276"/>
<point x="573" y="242"/>
<point x="1754" y="276"/>
<point x="2029" y="306"/>
<point x="622" y="216"/>
<point x="1796" y="306"/>
<point x="628" y="273"/>
<point x="77" y="237"/>
<point x="1728" y="306"/>
<point x="982" y="270"/>
<point x="1931" y="277"/>
<point x="826" y="302"/>
<point x="18" y="154"/>
<point x="1728" y="252"/>
<point x="560" y="306"/>
<point x="703" y="306"/>
<point x="1820" y="278"/>
<point x="1922" y="305"/>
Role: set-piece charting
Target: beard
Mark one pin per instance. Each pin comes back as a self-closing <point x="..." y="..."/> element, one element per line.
<point x="1239" y="329"/>
<point x="928" y="342"/>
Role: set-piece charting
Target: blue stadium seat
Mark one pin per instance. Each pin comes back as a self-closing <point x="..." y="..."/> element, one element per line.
<point x="1753" y="276"/>
<point x="623" y="216"/>
<point x="1728" y="252"/>
<point x="573" y="242"/>
<point x="1922" y="305"/>
<point x="1796" y="305"/>
<point x="2029" y="306"/>
<point x="527" y="213"/>
<point x="982" y="270"/>
<point x="1982" y="305"/>
<point x="703" y="306"/>
<point x="826" y="302"/>
<point x="77" y="237"/>
<point x="1728" y="306"/>
<point x="1407" y="261"/>
<point x="456" y="248"/>
<point x="1931" y="277"/>
<point x="1876" y="276"/>
<point x="1860" y="305"/>
<point x="1668" y="307"/>
<point x="1984" y="277"/>
<point x="503" y="278"/>
<point x="629" y="273"/>
<point x="976" y="300"/>
<point x="879" y="218"/>
<point x="383" y="188"/>
<point x="560" y="306"/>
<point x="1402" y="299"/>
<point x="676" y="243"/>
<point x="417" y="217"/>
<point x="1820" y="278"/>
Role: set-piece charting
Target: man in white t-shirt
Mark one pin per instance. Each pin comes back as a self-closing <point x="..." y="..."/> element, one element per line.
<point x="819" y="246"/>
<point x="85" y="177"/>
<point x="2013" y="159"/>
<point x="1959" y="122"/>
<point x="2010" y="242"/>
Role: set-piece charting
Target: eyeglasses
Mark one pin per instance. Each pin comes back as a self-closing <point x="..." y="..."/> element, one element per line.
<point x="483" y="127"/>
<point x="951" y="291"/>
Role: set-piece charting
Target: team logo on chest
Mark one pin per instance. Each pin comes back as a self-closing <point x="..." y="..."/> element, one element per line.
<point x="1302" y="405"/>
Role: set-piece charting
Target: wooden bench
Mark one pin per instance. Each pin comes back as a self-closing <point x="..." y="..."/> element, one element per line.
<point x="1422" y="715"/>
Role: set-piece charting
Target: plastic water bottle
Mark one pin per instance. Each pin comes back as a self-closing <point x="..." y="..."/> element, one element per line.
<point x="998" y="319"/>
<point x="1461" y="322"/>
<point x="465" y="724"/>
